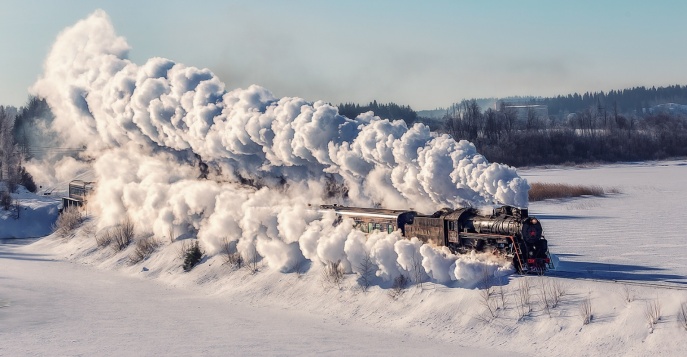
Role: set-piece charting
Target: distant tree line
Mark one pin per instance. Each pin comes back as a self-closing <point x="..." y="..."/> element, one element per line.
<point x="592" y="134"/>
<point x="12" y="126"/>
<point x="388" y="111"/>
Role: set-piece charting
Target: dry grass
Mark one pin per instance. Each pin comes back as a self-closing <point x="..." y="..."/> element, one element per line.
<point x="544" y="191"/>
<point x="145" y="246"/>
<point x="231" y="256"/>
<point x="652" y="313"/>
<point x="123" y="235"/>
<point x="682" y="316"/>
<point x="68" y="221"/>
<point x="333" y="274"/>
<point x="586" y="311"/>
<point x="399" y="286"/>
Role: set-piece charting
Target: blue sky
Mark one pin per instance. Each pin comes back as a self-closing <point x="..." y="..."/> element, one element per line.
<point x="423" y="53"/>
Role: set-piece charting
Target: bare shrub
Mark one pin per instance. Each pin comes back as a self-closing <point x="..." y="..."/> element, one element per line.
<point x="88" y="229"/>
<point x="543" y="191"/>
<point x="333" y="273"/>
<point x="67" y="222"/>
<point x="103" y="239"/>
<point x="523" y="298"/>
<point x="489" y="303"/>
<point x="366" y="269"/>
<point x="123" y="235"/>
<point x="586" y="311"/>
<point x="552" y="291"/>
<point x="502" y="294"/>
<point x="399" y="286"/>
<point x="252" y="260"/>
<point x="652" y="313"/>
<point x="682" y="316"/>
<point x="145" y="246"/>
<point x="231" y="256"/>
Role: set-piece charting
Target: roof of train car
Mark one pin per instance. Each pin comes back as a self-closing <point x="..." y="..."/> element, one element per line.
<point x="364" y="212"/>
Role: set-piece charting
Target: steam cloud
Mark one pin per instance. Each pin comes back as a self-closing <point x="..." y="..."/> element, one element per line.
<point x="151" y="130"/>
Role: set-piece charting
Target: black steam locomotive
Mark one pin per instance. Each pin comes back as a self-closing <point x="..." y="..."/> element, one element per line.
<point x="508" y="231"/>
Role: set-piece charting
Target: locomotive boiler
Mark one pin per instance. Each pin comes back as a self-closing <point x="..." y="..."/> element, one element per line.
<point x="507" y="231"/>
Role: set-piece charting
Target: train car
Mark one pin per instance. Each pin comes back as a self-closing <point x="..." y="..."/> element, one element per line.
<point x="78" y="193"/>
<point x="507" y="231"/>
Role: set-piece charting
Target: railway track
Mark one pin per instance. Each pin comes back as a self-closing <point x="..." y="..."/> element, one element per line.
<point x="661" y="284"/>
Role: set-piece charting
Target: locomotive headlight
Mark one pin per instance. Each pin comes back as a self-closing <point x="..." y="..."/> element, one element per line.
<point x="533" y="221"/>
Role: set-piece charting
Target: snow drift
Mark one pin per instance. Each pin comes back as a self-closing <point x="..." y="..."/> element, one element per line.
<point x="173" y="149"/>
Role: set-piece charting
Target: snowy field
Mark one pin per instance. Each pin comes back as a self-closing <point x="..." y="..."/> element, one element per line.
<point x="69" y="297"/>
<point x="638" y="234"/>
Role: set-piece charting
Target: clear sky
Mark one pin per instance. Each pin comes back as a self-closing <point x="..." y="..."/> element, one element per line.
<point x="423" y="53"/>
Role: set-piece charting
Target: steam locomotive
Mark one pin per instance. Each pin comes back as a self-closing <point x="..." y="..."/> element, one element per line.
<point x="508" y="231"/>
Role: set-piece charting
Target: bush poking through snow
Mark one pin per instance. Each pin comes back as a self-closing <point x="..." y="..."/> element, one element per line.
<point x="145" y="246"/>
<point x="586" y="311"/>
<point x="333" y="273"/>
<point x="231" y="256"/>
<point x="103" y="239"/>
<point x="552" y="291"/>
<point x="251" y="262"/>
<point x="123" y="235"/>
<point x="68" y="221"/>
<point x="652" y="313"/>
<point x="628" y="296"/>
<point x="193" y="256"/>
<point x="523" y="298"/>
<point x="682" y="316"/>
<point x="399" y="286"/>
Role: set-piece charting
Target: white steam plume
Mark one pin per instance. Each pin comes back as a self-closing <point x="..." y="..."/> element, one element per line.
<point x="150" y="128"/>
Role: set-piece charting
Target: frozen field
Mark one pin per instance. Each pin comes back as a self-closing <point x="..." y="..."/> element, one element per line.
<point x="638" y="234"/>
<point x="72" y="298"/>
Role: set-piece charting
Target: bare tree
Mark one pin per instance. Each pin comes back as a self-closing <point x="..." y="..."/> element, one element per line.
<point x="416" y="270"/>
<point x="366" y="269"/>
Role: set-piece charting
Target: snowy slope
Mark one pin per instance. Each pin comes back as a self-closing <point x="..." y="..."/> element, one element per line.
<point x="36" y="216"/>
<point x="600" y="238"/>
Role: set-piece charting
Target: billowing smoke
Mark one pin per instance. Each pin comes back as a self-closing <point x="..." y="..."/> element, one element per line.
<point x="174" y="150"/>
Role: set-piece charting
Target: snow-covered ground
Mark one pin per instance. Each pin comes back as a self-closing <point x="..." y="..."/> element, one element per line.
<point x="36" y="215"/>
<point x="70" y="297"/>
<point x="638" y="234"/>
